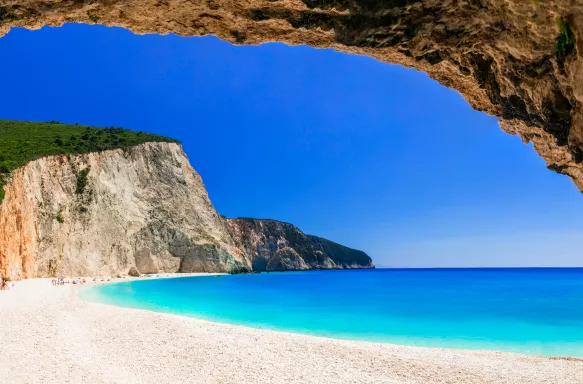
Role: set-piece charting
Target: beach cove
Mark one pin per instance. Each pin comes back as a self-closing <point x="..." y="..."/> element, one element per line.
<point x="533" y="311"/>
<point x="54" y="336"/>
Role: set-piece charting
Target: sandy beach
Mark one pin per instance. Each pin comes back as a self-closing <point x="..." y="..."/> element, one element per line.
<point x="49" y="335"/>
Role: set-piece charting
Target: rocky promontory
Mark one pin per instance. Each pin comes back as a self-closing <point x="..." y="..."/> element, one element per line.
<point x="272" y="245"/>
<point x="142" y="207"/>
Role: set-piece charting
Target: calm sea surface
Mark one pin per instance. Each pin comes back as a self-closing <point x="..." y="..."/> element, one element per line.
<point x="534" y="311"/>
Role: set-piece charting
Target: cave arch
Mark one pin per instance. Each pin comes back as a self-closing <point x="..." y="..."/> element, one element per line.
<point x="519" y="60"/>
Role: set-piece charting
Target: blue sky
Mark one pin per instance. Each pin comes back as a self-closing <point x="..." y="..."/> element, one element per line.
<point x="374" y="156"/>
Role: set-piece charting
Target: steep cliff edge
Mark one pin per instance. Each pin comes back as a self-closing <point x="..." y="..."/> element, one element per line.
<point x="520" y="60"/>
<point x="103" y="213"/>
<point x="271" y="245"/>
<point x="141" y="207"/>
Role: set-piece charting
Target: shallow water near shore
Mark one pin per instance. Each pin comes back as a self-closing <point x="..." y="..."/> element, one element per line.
<point x="532" y="311"/>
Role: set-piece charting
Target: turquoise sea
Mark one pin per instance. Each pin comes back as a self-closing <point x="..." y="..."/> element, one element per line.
<point x="533" y="311"/>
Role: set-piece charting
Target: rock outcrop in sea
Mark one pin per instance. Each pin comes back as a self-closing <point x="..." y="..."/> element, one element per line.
<point x="142" y="208"/>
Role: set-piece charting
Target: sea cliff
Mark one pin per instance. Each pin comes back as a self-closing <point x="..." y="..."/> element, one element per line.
<point x="141" y="207"/>
<point x="272" y="245"/>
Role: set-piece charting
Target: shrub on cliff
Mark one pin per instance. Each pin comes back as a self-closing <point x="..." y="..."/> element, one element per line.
<point x="24" y="141"/>
<point x="82" y="180"/>
<point x="566" y="40"/>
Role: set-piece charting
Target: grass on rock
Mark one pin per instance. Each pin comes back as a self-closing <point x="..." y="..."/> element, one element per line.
<point x="82" y="180"/>
<point x="24" y="141"/>
<point x="566" y="40"/>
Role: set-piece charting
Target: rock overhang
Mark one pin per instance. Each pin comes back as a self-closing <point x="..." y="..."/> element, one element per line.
<point x="518" y="60"/>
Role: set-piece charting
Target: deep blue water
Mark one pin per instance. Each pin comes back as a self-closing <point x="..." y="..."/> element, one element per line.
<point x="535" y="311"/>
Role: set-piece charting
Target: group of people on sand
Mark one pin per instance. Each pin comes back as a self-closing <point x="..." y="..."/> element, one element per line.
<point x="61" y="281"/>
<point x="4" y="285"/>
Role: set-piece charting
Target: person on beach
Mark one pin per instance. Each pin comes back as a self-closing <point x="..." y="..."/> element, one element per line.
<point x="4" y="285"/>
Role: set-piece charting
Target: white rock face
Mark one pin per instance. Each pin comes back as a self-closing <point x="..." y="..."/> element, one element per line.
<point x="142" y="207"/>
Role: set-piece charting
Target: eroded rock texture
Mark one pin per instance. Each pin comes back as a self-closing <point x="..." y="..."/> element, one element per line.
<point x="142" y="207"/>
<point x="516" y="59"/>
<point x="272" y="245"/>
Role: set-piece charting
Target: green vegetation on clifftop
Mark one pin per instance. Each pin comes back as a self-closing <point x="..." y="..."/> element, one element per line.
<point x="24" y="141"/>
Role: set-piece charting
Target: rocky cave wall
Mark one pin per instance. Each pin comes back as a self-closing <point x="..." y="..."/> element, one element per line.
<point x="519" y="60"/>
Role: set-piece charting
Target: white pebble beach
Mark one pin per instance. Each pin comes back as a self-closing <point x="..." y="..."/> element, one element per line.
<point x="49" y="335"/>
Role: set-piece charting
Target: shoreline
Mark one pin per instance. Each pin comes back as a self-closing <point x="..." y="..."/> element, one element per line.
<point x="50" y="334"/>
<point x="292" y="332"/>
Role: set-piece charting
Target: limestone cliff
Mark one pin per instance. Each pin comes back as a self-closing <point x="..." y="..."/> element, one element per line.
<point x="520" y="60"/>
<point x="142" y="208"/>
<point x="275" y="246"/>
